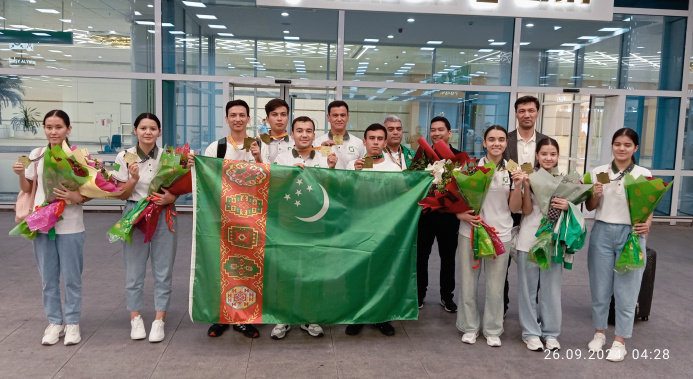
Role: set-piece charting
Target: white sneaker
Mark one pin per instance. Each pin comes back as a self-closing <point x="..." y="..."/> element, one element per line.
<point x="493" y="341"/>
<point x="534" y="344"/>
<point x="597" y="342"/>
<point x="137" y="331"/>
<point x="52" y="334"/>
<point x="552" y="344"/>
<point x="470" y="338"/>
<point x="72" y="335"/>
<point x="617" y="353"/>
<point x="157" y="332"/>
<point x="279" y="331"/>
<point x="313" y="329"/>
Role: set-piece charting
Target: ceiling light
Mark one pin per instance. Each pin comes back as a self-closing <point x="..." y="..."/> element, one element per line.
<point x="195" y="4"/>
<point x="285" y="14"/>
<point x="150" y="6"/>
<point x="498" y="43"/>
<point x="428" y="48"/>
<point x="137" y="13"/>
<point x="524" y="43"/>
<point x="176" y="32"/>
<point x="217" y="26"/>
<point x="207" y="16"/>
<point x="485" y="50"/>
<point x="166" y="24"/>
<point x="410" y="20"/>
<point x="609" y="29"/>
<point x="225" y="34"/>
<point x="587" y="37"/>
<point x="66" y="20"/>
<point x="20" y="26"/>
<point x="570" y="44"/>
<point x="41" y="34"/>
<point x="390" y="36"/>
<point x="140" y="22"/>
<point x="639" y="47"/>
<point x="55" y="51"/>
<point x="434" y="42"/>
<point x="371" y="40"/>
<point x="286" y="32"/>
<point x="410" y="64"/>
<point x="67" y="55"/>
<point x="626" y="19"/>
<point x="291" y="38"/>
<point x="298" y="61"/>
<point x="151" y="31"/>
<point x="529" y="25"/>
<point x="52" y="11"/>
<point x="556" y="27"/>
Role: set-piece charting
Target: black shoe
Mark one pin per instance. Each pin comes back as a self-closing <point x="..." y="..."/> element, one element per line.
<point x="248" y="330"/>
<point x="216" y="330"/>
<point x="421" y="303"/>
<point x="449" y="305"/>
<point x="386" y="328"/>
<point x="353" y="329"/>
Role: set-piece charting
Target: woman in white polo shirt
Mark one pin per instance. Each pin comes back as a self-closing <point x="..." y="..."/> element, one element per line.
<point x="608" y="236"/>
<point x="529" y="275"/>
<point x="504" y="197"/>
<point x="62" y="255"/>
<point x="135" y="179"/>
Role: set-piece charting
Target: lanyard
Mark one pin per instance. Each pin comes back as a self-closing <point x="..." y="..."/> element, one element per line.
<point x="398" y="161"/>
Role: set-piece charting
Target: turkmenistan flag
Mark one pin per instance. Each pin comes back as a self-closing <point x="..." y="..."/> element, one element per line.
<point x="295" y="246"/>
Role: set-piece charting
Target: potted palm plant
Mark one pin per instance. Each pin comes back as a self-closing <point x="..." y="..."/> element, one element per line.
<point x="26" y="120"/>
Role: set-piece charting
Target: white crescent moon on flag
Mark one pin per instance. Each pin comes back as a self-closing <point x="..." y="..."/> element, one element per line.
<point x="322" y="211"/>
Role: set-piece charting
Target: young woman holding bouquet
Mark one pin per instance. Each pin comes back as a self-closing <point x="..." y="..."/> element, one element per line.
<point x="530" y="275"/>
<point x="60" y="254"/>
<point x="609" y="234"/>
<point x="503" y="198"/>
<point x="134" y="179"/>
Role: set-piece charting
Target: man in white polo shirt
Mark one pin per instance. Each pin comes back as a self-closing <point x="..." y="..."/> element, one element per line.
<point x="375" y="140"/>
<point x="347" y="146"/>
<point x="279" y="140"/>
<point x="302" y="153"/>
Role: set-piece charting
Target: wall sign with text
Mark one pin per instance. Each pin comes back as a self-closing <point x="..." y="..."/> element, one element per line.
<point x="598" y="10"/>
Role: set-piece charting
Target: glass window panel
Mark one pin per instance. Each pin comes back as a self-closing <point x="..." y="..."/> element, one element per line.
<point x="386" y="47"/>
<point x="686" y="197"/>
<point x="101" y="120"/>
<point x="655" y="119"/>
<point x="250" y="41"/>
<point x="193" y="114"/>
<point x="653" y="4"/>
<point x="664" y="206"/>
<point x="469" y="113"/>
<point x="313" y="103"/>
<point x="628" y="52"/>
<point x="688" y="138"/>
<point x="90" y="35"/>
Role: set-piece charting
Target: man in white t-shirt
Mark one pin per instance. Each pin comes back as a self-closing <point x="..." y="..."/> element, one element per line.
<point x="279" y="140"/>
<point x="347" y="146"/>
<point x="375" y="140"/>
<point x="303" y="154"/>
<point x="231" y="147"/>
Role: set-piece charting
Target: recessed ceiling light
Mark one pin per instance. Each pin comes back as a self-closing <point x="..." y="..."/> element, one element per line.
<point x="150" y="6"/>
<point x="570" y="44"/>
<point x="195" y="4"/>
<point x="491" y="40"/>
<point x="371" y="40"/>
<point x="285" y="14"/>
<point x="609" y="29"/>
<point x="286" y="32"/>
<point x="207" y="16"/>
<point x="166" y="24"/>
<point x="410" y="20"/>
<point x="390" y="36"/>
<point x="587" y="37"/>
<point x="556" y="27"/>
<point x="20" y="26"/>
<point x="291" y="38"/>
<point x="137" y="13"/>
<point x="428" y="48"/>
<point x="66" y="20"/>
<point x="67" y="55"/>
<point x="225" y="34"/>
<point x="55" y="51"/>
<point x="51" y="11"/>
<point x="485" y="50"/>
<point x="524" y="43"/>
<point x="410" y="64"/>
<point x="641" y="47"/>
<point x="434" y="42"/>
<point x="497" y="43"/>
<point x="217" y="26"/>
<point x="529" y="25"/>
<point x="140" y="22"/>
<point x="151" y="31"/>
<point x="176" y="32"/>
<point x="41" y="34"/>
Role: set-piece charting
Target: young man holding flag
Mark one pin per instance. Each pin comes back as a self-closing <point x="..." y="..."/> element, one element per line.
<point x="278" y="140"/>
<point x="303" y="155"/>
<point x="237" y="116"/>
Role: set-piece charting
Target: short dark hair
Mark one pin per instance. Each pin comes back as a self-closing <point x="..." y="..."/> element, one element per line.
<point x="496" y="127"/>
<point x="302" y="119"/>
<point x="149" y="116"/>
<point x="234" y="103"/>
<point x="443" y="119"/>
<point x="337" y="104"/>
<point x="274" y="104"/>
<point x="527" y="99"/>
<point x="374" y="127"/>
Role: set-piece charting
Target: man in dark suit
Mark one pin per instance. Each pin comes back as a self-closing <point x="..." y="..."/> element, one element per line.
<point x="444" y="228"/>
<point x="522" y="143"/>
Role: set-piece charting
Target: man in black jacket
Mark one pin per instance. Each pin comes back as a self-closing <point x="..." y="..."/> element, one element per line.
<point x="444" y="228"/>
<point x="522" y="143"/>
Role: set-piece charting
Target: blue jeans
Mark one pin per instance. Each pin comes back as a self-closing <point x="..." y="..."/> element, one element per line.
<point x="529" y="275"/>
<point x="61" y="256"/>
<point x="606" y="242"/>
<point x="162" y="249"/>
<point x="468" y="320"/>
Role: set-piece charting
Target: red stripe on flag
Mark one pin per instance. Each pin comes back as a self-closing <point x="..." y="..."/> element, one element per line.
<point x="244" y="196"/>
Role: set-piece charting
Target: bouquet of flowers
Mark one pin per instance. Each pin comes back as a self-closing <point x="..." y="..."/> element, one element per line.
<point x="101" y="184"/>
<point x="643" y="195"/>
<point x="561" y="233"/>
<point x="174" y="175"/>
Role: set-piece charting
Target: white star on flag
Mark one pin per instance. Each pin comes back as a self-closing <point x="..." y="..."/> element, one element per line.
<point x="310" y="188"/>
<point x="287" y="196"/>
<point x="297" y="203"/>
<point x="299" y="181"/>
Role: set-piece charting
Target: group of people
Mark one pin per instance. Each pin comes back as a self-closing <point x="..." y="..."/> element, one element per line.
<point x="510" y="207"/>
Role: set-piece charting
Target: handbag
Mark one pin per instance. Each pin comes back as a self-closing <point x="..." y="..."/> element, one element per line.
<point x="25" y="200"/>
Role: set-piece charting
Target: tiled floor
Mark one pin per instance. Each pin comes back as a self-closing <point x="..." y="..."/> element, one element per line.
<point x="429" y="347"/>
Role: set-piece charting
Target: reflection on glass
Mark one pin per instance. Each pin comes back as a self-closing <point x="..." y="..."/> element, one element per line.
<point x="686" y="197"/>
<point x="652" y="118"/>
<point x="87" y="35"/>
<point x="688" y="138"/>
<point x="101" y="120"/>
<point x="632" y="52"/>
<point x="312" y="103"/>
<point x="664" y="206"/>
<point x="458" y="50"/>
<point x="469" y="113"/>
<point x="566" y="118"/>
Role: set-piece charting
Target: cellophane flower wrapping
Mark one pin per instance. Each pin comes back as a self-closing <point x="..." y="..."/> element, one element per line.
<point x="100" y="185"/>
<point x="558" y="238"/>
<point x="59" y="168"/>
<point x="643" y="194"/>
<point x="172" y="167"/>
<point x="122" y="230"/>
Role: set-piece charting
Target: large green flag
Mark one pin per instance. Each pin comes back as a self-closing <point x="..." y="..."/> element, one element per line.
<point x="296" y="246"/>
